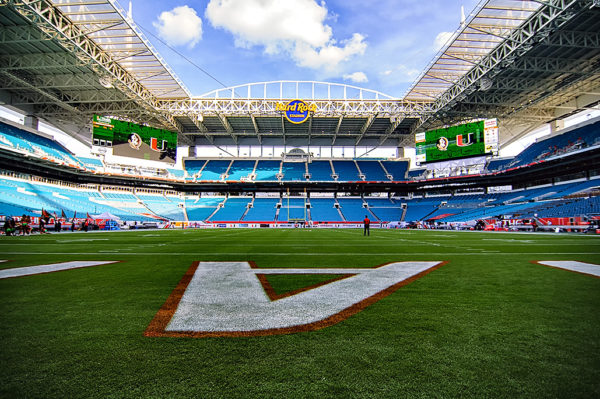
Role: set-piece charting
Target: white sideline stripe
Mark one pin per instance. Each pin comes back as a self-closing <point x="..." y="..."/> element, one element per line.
<point x="305" y="244"/>
<point x="29" y="270"/>
<point x="444" y="254"/>
<point x="227" y="296"/>
<point x="574" y="266"/>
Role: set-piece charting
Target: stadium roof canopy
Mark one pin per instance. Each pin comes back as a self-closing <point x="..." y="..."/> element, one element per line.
<point x="65" y="60"/>
<point x="525" y="62"/>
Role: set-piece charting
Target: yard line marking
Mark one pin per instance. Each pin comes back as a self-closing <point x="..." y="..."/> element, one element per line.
<point x="330" y="270"/>
<point x="573" y="266"/>
<point x="55" y="267"/>
<point x="82" y="240"/>
<point x="509" y="239"/>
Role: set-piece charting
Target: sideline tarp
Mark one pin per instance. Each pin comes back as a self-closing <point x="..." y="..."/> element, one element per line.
<point x="107" y="215"/>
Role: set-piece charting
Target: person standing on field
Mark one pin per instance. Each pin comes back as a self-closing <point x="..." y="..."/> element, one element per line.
<point x="367" y="225"/>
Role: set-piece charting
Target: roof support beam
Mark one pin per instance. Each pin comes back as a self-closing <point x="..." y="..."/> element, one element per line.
<point x="587" y="40"/>
<point x="368" y="123"/>
<point x="201" y="127"/>
<point x="394" y="123"/>
<point x="254" y="124"/>
<point x="227" y="126"/>
<point x="63" y="81"/>
<point x="49" y="18"/>
<point x="53" y="98"/>
<point x="243" y="107"/>
<point x="115" y="108"/>
<point x="256" y="130"/>
<point x="40" y="61"/>
<point x="549" y="64"/>
<point x="225" y="123"/>
<point x="337" y="128"/>
<point x="75" y="98"/>
<point x="22" y="34"/>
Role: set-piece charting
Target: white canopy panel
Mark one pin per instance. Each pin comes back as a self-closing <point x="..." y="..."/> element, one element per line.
<point x="490" y="23"/>
<point x="113" y="30"/>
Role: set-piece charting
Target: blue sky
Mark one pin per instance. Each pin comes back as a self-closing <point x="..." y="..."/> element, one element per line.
<point x="376" y="44"/>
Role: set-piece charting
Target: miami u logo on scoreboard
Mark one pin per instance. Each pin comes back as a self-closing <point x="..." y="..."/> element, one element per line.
<point x="462" y="142"/>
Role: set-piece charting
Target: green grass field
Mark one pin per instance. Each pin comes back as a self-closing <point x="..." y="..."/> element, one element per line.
<point x="489" y="323"/>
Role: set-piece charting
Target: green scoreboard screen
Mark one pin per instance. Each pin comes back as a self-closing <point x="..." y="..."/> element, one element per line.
<point x="461" y="141"/>
<point x="132" y="140"/>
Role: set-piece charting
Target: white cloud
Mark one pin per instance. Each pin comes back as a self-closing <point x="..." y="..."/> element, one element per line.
<point x="441" y="39"/>
<point x="358" y="77"/>
<point x="400" y="74"/>
<point x="293" y="27"/>
<point x="180" y="26"/>
<point x="409" y="73"/>
<point x="329" y="55"/>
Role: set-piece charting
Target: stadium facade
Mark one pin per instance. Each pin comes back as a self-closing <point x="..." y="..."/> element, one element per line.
<point x="292" y="151"/>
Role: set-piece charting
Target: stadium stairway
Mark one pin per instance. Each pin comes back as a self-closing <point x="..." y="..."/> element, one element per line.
<point x="233" y="209"/>
<point x="373" y="171"/>
<point x="339" y="209"/>
<point x="278" y="209"/>
<point x="353" y="209"/>
<point x="185" y="214"/>
<point x="373" y="216"/>
<point x="210" y="217"/>
<point x="250" y="205"/>
<point x="385" y="209"/>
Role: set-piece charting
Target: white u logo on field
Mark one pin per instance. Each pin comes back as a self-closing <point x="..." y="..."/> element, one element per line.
<point x="228" y="299"/>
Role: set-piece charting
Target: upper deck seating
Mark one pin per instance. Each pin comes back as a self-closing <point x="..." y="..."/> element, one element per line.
<point x="267" y="170"/>
<point x="323" y="210"/>
<point x="320" y="171"/>
<point x="293" y="171"/>
<point x="397" y="169"/>
<point x="372" y="171"/>
<point x="214" y="170"/>
<point x="353" y="209"/>
<point x="346" y="170"/>
<point x="233" y="210"/>
<point x="240" y="169"/>
<point x="263" y="210"/>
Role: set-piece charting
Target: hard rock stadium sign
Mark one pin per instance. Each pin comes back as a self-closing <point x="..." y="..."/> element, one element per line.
<point x="296" y="111"/>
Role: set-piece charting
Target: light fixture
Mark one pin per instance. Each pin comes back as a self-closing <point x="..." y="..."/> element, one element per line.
<point x="105" y="81"/>
<point x="485" y="84"/>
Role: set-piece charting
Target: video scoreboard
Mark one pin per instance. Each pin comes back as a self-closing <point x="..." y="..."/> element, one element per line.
<point x="460" y="141"/>
<point x="133" y="140"/>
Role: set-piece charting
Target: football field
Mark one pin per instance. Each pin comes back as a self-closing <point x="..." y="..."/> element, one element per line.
<point x="464" y="314"/>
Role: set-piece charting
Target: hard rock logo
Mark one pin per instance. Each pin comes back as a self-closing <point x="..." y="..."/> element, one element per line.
<point x="296" y="111"/>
